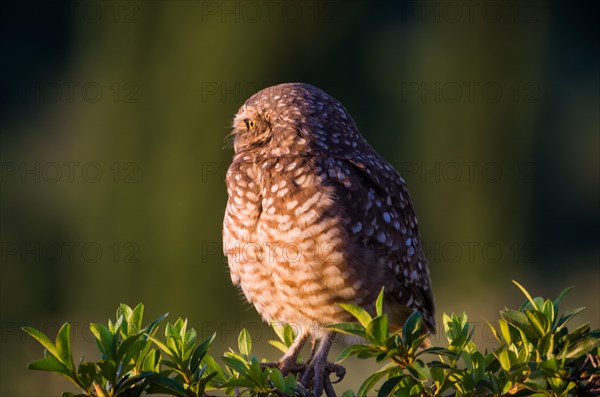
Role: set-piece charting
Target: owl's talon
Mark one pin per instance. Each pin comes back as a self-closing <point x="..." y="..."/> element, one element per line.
<point x="339" y="371"/>
<point x="318" y="374"/>
<point x="295" y="368"/>
<point x="285" y="367"/>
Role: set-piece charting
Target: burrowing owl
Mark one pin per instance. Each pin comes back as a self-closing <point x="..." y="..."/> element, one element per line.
<point x="316" y="217"/>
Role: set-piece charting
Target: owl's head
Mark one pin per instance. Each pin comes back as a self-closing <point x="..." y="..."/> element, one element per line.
<point x="291" y="119"/>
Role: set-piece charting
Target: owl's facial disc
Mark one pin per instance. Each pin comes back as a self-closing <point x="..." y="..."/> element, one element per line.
<point x="250" y="129"/>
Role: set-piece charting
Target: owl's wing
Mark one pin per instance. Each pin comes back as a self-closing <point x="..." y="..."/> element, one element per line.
<point x="380" y="217"/>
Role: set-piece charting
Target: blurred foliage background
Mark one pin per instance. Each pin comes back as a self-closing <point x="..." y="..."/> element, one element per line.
<point x="114" y="115"/>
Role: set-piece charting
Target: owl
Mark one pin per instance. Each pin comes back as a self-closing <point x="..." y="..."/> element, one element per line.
<point x="315" y="217"/>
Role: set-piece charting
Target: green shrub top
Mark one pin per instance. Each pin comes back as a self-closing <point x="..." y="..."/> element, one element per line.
<point x="535" y="355"/>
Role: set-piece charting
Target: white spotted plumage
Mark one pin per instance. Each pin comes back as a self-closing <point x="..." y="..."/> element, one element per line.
<point x="316" y="217"/>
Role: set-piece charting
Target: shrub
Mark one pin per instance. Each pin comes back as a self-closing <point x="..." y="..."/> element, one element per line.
<point x="536" y="355"/>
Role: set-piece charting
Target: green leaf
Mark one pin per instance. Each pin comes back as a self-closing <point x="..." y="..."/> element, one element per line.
<point x="349" y="328"/>
<point x="256" y="373"/>
<point x="582" y="347"/>
<point x="379" y="303"/>
<point x="377" y="330"/>
<point x="285" y="333"/>
<point x="174" y="340"/>
<point x="388" y="386"/>
<point x="536" y="381"/>
<point x="63" y="345"/>
<point x="245" y="342"/>
<point x="370" y="382"/>
<point x="419" y="371"/>
<point x="128" y="382"/>
<point x="151" y="328"/>
<point x="151" y="362"/>
<point x="494" y="330"/>
<point x="438" y="376"/>
<point x="137" y="351"/>
<point x="412" y="327"/>
<point x="189" y="341"/>
<point x="200" y="385"/>
<point x="439" y="351"/>
<point x="200" y="351"/>
<point x="240" y="382"/>
<point x="43" y="340"/>
<point x="561" y="297"/>
<point x="236" y="364"/>
<point x="363" y="317"/>
<point x="179" y="328"/>
<point x="124" y="312"/>
<point x="416" y="391"/>
<point x="105" y="340"/>
<point x="545" y="345"/>
<point x="506" y="358"/>
<point x="520" y="321"/>
<point x="565" y="318"/>
<point x="172" y="330"/>
<point x="51" y="364"/>
<point x="114" y="328"/>
<point x="531" y="300"/>
<point x="277" y="379"/>
<point x="539" y="321"/>
<point x="108" y="369"/>
<point x="160" y="345"/>
<point x="213" y="366"/>
<point x="127" y="344"/>
<point x="579" y="332"/>
<point x="135" y="321"/>
<point x="291" y="384"/>
<point x="279" y="345"/>
<point x="86" y="374"/>
<point x="549" y="311"/>
<point x="167" y="386"/>
<point x="507" y="331"/>
<point x="355" y="349"/>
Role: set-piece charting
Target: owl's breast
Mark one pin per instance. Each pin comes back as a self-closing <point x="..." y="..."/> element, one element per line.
<point x="241" y="214"/>
<point x="289" y="245"/>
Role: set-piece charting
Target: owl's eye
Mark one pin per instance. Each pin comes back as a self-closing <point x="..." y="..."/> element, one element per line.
<point x="249" y="124"/>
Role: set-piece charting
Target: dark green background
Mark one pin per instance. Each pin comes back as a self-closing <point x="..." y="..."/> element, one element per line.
<point x="488" y="109"/>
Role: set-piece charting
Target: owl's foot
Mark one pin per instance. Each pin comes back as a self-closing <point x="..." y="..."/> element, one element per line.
<point x="289" y="362"/>
<point x="291" y="367"/>
<point x="317" y="374"/>
<point x="319" y="369"/>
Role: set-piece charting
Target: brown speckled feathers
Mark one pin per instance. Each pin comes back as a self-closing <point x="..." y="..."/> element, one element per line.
<point x="316" y="217"/>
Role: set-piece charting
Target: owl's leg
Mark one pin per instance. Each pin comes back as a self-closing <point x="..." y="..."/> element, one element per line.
<point x="319" y="369"/>
<point x="288" y="361"/>
<point x="313" y="348"/>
